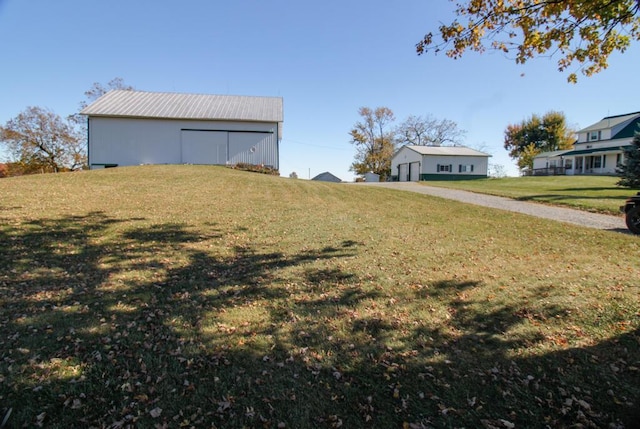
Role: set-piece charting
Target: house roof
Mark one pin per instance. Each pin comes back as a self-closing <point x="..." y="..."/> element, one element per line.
<point x="611" y="122"/>
<point x="327" y="177"/>
<point x="553" y="153"/>
<point x="166" y="105"/>
<point x="446" y="150"/>
<point x="629" y="130"/>
<point x="612" y="149"/>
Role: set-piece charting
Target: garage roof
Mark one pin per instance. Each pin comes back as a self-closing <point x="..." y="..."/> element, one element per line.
<point x="447" y="150"/>
<point x="166" y="105"/>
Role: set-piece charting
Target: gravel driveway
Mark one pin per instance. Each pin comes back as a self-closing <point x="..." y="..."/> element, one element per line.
<point x="577" y="217"/>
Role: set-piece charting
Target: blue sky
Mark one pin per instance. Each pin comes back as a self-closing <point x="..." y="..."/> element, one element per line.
<point x="326" y="59"/>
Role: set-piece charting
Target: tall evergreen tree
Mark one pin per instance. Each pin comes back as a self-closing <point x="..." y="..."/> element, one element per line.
<point x="629" y="170"/>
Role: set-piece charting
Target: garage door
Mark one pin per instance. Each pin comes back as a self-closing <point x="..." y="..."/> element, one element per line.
<point x="204" y="147"/>
<point x="414" y="171"/>
<point x="403" y="173"/>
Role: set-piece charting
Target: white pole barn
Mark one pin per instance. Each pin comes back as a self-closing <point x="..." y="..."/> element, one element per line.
<point x="136" y="127"/>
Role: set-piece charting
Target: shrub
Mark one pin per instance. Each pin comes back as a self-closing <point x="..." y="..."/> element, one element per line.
<point x="264" y="169"/>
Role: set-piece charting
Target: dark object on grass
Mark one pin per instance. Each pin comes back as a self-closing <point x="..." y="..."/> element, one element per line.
<point x="631" y="210"/>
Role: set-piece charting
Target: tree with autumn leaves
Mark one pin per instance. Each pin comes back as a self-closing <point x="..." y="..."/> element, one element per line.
<point x="40" y="141"/>
<point x="535" y="135"/>
<point x="373" y="139"/>
<point x="582" y="33"/>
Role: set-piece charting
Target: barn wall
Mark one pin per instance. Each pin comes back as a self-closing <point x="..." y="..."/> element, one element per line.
<point x="128" y="141"/>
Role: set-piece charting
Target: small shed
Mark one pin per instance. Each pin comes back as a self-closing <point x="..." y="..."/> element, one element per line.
<point x="412" y="163"/>
<point x="137" y="127"/>
<point x="371" y="177"/>
<point x="327" y="177"/>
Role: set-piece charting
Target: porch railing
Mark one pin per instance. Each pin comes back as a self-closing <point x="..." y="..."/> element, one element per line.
<point x="549" y="171"/>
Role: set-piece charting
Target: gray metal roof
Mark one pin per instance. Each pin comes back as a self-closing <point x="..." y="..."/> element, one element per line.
<point x="327" y="177"/>
<point x="610" y="122"/>
<point x="446" y="150"/>
<point x="166" y="105"/>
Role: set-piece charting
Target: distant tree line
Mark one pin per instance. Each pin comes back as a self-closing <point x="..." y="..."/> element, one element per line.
<point x="40" y="141"/>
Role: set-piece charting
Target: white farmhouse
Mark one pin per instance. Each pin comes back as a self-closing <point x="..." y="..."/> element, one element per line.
<point x="597" y="151"/>
<point x="412" y="163"/>
<point x="136" y="127"/>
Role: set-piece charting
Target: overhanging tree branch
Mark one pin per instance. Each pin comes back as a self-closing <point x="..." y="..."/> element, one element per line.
<point x="584" y="32"/>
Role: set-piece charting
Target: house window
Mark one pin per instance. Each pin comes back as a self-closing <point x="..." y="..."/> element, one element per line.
<point x="618" y="159"/>
<point x="568" y="164"/>
<point x="444" y="168"/>
<point x="465" y="168"/>
<point x="597" y="162"/>
<point x="594" y="135"/>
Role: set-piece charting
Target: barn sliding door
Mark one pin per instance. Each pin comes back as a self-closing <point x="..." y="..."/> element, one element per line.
<point x="204" y="147"/>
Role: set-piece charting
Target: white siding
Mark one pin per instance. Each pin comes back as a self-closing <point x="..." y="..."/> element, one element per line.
<point x="480" y="164"/>
<point x="253" y="148"/>
<point x="409" y="164"/>
<point x="129" y="141"/>
<point x="204" y="147"/>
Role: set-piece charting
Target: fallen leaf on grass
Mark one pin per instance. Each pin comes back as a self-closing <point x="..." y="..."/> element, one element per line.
<point x="507" y="424"/>
<point x="156" y="412"/>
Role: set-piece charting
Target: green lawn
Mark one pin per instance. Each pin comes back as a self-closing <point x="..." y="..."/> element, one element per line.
<point x="186" y="296"/>
<point x="591" y="193"/>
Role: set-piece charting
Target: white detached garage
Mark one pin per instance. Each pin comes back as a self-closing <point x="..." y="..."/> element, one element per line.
<point x="136" y="127"/>
<point x="412" y="163"/>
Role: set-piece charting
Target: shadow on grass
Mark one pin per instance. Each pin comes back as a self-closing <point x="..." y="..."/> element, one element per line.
<point x="592" y="189"/>
<point x="562" y="197"/>
<point x="107" y="325"/>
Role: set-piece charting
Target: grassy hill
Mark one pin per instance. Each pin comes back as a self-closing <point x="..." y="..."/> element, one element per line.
<point x="193" y="296"/>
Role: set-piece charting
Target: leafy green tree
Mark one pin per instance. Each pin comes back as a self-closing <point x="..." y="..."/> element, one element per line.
<point x="41" y="141"/>
<point x="428" y="131"/>
<point x="373" y="139"/>
<point x="527" y="154"/>
<point x="629" y="170"/>
<point x="537" y="134"/>
<point x="583" y="33"/>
